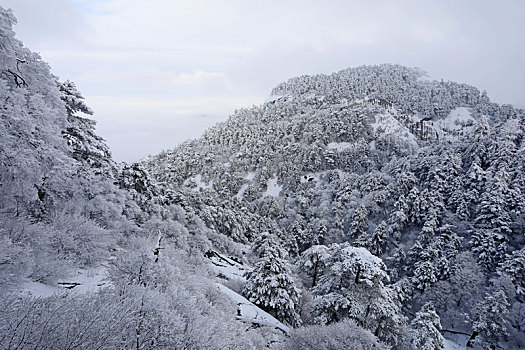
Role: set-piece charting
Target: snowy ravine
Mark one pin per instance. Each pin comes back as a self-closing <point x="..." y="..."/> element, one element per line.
<point x="229" y="269"/>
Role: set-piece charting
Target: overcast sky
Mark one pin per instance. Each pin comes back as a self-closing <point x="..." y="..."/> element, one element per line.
<point x="159" y="72"/>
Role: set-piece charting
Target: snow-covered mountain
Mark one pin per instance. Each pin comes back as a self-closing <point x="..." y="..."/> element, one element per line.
<point x="426" y="175"/>
<point x="366" y="209"/>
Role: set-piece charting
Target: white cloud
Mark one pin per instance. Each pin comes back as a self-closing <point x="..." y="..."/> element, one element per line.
<point x="57" y="24"/>
<point x="203" y="81"/>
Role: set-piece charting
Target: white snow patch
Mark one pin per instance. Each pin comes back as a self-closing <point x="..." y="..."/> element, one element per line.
<point x="38" y="289"/>
<point x="240" y="194"/>
<point x="227" y="268"/>
<point x="227" y="164"/>
<point x="249" y="177"/>
<point x="451" y="345"/>
<point x="461" y="114"/>
<point x="249" y="313"/>
<point x="91" y="280"/>
<point x="386" y="124"/>
<point x="457" y="122"/>
<point x="455" y="341"/>
<point x="272" y="188"/>
<point x="340" y="146"/>
<point x="197" y="179"/>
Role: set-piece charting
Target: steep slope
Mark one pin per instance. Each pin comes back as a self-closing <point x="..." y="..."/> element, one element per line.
<point x="427" y="175"/>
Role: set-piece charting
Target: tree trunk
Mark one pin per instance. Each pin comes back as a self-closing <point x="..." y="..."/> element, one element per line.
<point x="314" y="280"/>
<point x="470" y="342"/>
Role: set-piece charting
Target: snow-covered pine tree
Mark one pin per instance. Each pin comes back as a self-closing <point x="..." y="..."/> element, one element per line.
<point x="376" y="242"/>
<point x="489" y="324"/>
<point x="481" y="142"/>
<point x="405" y="182"/>
<point x="73" y="99"/>
<point x="430" y="227"/>
<point x="80" y="134"/>
<point x="312" y="261"/>
<point x="302" y="233"/>
<point x="398" y="217"/>
<point x="426" y="271"/>
<point x="474" y="183"/>
<point x="433" y="252"/>
<point x="415" y="206"/>
<point x="490" y="247"/>
<point x="359" y="224"/>
<point x="267" y="243"/>
<point x="424" y="329"/>
<point x="444" y="180"/>
<point x="353" y="287"/>
<point x="514" y="266"/>
<point x="270" y="284"/>
<point x="492" y="213"/>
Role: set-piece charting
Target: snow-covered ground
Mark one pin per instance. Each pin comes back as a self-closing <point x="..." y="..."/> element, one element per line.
<point x="340" y="146"/>
<point x="249" y="313"/>
<point x="240" y="194"/>
<point x="455" y="341"/>
<point x="248" y="178"/>
<point x="451" y="345"/>
<point x="272" y="188"/>
<point x="38" y="289"/>
<point x="385" y="124"/>
<point x="458" y="122"/>
<point x="226" y="267"/>
<point x="199" y="184"/>
<point x="84" y="281"/>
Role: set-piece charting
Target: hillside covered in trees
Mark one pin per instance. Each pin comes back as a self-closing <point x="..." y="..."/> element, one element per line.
<point x="371" y="208"/>
<point x="376" y="178"/>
